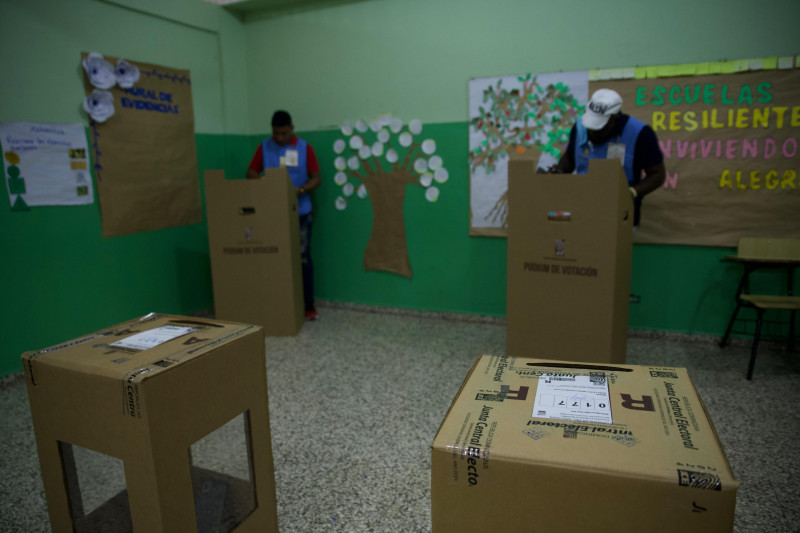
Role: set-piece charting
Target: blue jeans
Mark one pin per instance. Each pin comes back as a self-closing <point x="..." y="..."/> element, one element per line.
<point x="306" y="221"/>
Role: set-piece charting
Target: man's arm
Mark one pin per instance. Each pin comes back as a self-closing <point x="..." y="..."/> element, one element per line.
<point x="314" y="176"/>
<point x="565" y="165"/>
<point x="648" y="151"/>
<point x="256" y="165"/>
<point x="654" y="177"/>
<point x="314" y="181"/>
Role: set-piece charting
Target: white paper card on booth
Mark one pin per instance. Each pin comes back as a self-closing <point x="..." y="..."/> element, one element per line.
<point x="152" y="338"/>
<point x="575" y="398"/>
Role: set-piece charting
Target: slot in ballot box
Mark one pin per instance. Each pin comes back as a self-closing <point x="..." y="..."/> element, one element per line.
<point x="569" y="262"/>
<point x="254" y="242"/>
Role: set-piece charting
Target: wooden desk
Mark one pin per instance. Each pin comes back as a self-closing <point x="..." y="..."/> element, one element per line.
<point x="751" y="264"/>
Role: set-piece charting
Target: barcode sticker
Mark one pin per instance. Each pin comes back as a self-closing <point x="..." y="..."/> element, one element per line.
<point x="152" y="338"/>
<point x="576" y="398"/>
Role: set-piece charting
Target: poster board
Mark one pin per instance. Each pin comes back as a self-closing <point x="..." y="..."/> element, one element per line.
<point x="145" y="159"/>
<point x="46" y="164"/>
<point x="730" y="145"/>
<point x="729" y="132"/>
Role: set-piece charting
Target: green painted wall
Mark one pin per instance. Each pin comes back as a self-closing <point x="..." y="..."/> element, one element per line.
<point x="61" y="278"/>
<point x="452" y="271"/>
<point x="412" y="58"/>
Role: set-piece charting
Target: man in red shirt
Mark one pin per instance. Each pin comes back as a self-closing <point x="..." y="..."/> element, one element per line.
<point x="284" y="149"/>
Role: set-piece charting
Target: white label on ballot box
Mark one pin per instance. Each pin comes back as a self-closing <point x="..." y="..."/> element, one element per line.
<point x="152" y="338"/>
<point x="570" y="397"/>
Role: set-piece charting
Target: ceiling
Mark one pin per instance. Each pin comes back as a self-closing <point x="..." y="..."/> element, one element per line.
<point x="245" y="9"/>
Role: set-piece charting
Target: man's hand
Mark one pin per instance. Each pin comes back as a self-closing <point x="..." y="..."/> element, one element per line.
<point x="565" y="165"/>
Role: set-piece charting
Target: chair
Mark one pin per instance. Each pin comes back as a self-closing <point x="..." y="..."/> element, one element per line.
<point x="759" y="253"/>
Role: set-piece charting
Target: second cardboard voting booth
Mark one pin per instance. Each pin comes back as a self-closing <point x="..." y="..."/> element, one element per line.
<point x="155" y="425"/>
<point x="569" y="262"/>
<point x="254" y="241"/>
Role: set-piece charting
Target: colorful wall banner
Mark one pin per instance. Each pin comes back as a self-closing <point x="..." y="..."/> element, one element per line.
<point x="46" y="164"/>
<point x="729" y="132"/>
<point x="730" y="145"/>
<point x="144" y="153"/>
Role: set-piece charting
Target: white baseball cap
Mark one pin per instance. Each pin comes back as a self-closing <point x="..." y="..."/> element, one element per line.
<point x="601" y="106"/>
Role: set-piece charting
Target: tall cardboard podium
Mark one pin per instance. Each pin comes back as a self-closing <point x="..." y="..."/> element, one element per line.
<point x="569" y="263"/>
<point x="254" y="241"/>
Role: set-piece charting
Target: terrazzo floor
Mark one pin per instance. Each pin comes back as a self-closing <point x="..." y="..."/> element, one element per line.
<point x="356" y="399"/>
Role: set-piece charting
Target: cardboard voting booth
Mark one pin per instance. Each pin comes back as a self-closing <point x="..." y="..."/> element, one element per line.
<point x="543" y="445"/>
<point x="254" y="241"/>
<point x="569" y="262"/>
<point x="159" y="424"/>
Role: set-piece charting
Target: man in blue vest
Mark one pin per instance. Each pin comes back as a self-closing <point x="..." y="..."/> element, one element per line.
<point x="605" y="132"/>
<point x="285" y="149"/>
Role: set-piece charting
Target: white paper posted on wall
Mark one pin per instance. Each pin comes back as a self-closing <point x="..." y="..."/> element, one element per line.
<point x="46" y="164"/>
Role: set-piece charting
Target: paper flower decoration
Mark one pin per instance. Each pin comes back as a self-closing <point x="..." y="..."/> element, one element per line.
<point x="101" y="72"/>
<point x="100" y="105"/>
<point x="127" y="74"/>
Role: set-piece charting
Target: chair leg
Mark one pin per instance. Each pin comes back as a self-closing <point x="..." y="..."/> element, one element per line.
<point x="792" y="316"/>
<point x="756" y="339"/>
<point x="727" y="335"/>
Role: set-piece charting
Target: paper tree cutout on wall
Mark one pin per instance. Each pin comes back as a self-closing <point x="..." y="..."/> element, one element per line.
<point x="516" y="119"/>
<point x="377" y="162"/>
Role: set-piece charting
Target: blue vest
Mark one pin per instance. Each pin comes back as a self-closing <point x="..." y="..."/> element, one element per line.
<point x="584" y="151"/>
<point x="299" y="174"/>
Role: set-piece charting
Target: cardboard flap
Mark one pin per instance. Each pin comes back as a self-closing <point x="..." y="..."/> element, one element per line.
<point x="587" y="195"/>
<point x="226" y="197"/>
<point x="658" y="421"/>
<point x="214" y="179"/>
<point x="104" y="352"/>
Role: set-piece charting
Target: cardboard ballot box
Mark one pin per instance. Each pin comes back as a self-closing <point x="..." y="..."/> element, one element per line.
<point x="155" y="425"/>
<point x="254" y="241"/>
<point x="569" y="262"/>
<point x="542" y="445"/>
